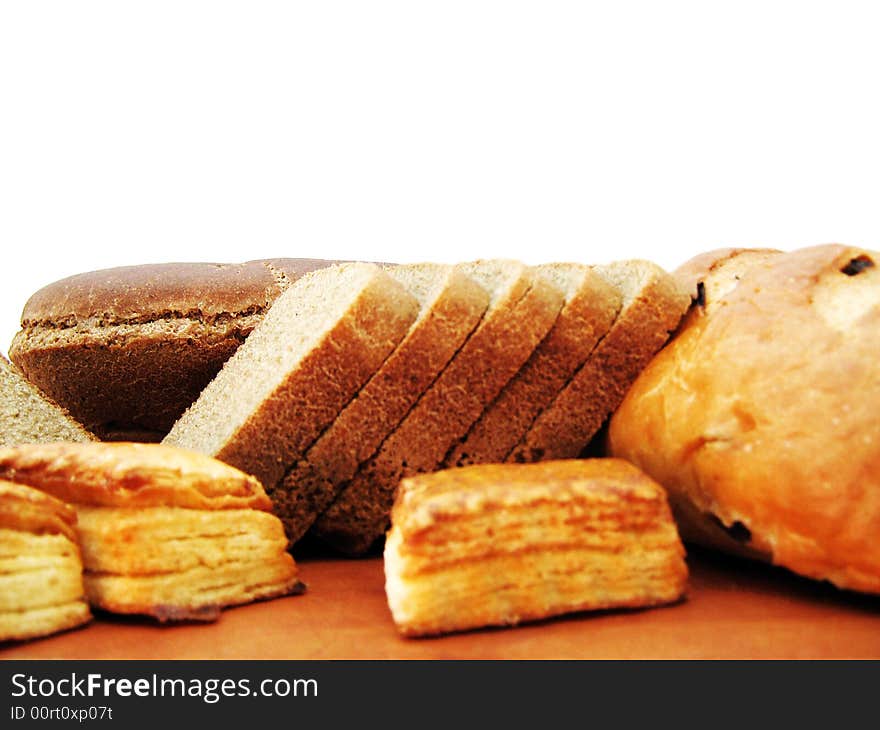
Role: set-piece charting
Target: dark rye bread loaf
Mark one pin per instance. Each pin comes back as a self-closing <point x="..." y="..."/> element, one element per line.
<point x="591" y="304"/>
<point x="522" y="308"/>
<point x="653" y="305"/>
<point x="27" y="416"/>
<point x="452" y="304"/>
<point x="321" y="341"/>
<point x="127" y="350"/>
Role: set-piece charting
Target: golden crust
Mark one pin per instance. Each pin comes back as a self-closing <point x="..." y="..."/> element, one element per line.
<point x="132" y="475"/>
<point x="424" y="501"/>
<point x="30" y="510"/>
<point x="760" y="417"/>
<point x="700" y="268"/>
<point x="499" y="544"/>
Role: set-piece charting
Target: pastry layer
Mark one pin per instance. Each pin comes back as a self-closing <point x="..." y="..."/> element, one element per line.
<point x="41" y="583"/>
<point x="29" y="510"/>
<point x="194" y="594"/>
<point x="510" y="589"/>
<point x="131" y="475"/>
<point x="174" y="563"/>
<point x="164" y="532"/>
<point x="169" y="539"/>
<point x="33" y="622"/>
<point x="38" y="570"/>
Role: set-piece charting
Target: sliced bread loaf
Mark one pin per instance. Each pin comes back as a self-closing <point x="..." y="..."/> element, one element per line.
<point x="522" y="308"/>
<point x="653" y="305"/>
<point x="591" y="304"/>
<point x="323" y="338"/>
<point x="127" y="350"/>
<point x="452" y="305"/>
<point x="27" y="416"/>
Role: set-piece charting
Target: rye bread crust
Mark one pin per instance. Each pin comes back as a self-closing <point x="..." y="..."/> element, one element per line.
<point x="127" y="350"/>
<point x="137" y="294"/>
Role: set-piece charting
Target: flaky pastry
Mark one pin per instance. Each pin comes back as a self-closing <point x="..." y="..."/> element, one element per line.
<point x="41" y="573"/>
<point x="500" y="544"/>
<point x="164" y="532"/>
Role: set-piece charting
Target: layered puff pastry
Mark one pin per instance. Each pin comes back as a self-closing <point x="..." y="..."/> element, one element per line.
<point x="164" y="532"/>
<point x="41" y="573"/>
<point x="498" y="544"/>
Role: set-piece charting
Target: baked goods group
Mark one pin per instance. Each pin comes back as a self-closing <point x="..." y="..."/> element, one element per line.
<point x="299" y="397"/>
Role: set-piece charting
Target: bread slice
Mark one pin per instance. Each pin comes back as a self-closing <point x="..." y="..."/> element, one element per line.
<point x="522" y="308"/>
<point x="319" y="343"/>
<point x="452" y="305"/>
<point x="27" y="416"/>
<point x="653" y="305"/>
<point x="591" y="304"/>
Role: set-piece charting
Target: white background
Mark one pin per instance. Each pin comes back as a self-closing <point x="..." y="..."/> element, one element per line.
<point x="155" y="131"/>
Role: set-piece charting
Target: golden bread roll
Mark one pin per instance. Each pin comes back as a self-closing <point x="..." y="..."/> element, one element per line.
<point x="164" y="532"/>
<point x="760" y="417"/>
<point x="498" y="544"/>
<point x="41" y="573"/>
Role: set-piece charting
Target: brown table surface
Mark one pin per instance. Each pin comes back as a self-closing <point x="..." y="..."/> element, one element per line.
<point x="734" y="609"/>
